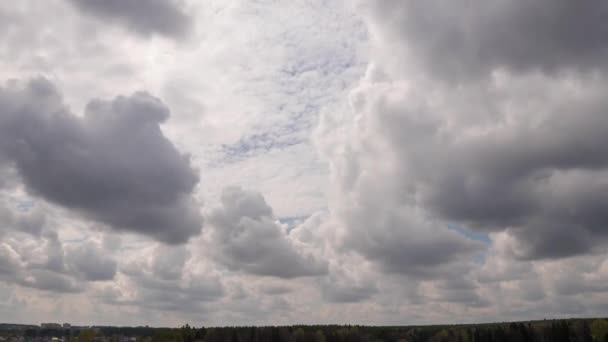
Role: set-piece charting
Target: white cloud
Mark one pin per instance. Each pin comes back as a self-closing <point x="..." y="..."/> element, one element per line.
<point x="457" y="174"/>
<point x="244" y="235"/>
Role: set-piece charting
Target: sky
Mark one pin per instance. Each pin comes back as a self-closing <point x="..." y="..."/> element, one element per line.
<point x="274" y="162"/>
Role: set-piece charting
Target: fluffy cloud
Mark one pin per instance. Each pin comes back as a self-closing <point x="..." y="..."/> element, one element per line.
<point x="114" y="164"/>
<point x="44" y="262"/>
<point x="514" y="150"/>
<point x="168" y="262"/>
<point x="468" y="160"/>
<point x="244" y="235"/>
<point x="467" y="177"/>
<point x="459" y="39"/>
<point x="9" y="261"/>
<point x="91" y="262"/>
<point x="31" y="221"/>
<point x="340" y="288"/>
<point x="50" y="281"/>
<point x="164" y="278"/>
<point x="146" y="18"/>
<point x="377" y="212"/>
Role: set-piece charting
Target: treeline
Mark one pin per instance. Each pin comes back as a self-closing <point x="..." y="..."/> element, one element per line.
<point x="573" y="330"/>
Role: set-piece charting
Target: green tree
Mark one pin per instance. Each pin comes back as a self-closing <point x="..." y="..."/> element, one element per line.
<point x="319" y="336"/>
<point x="599" y="329"/>
<point x="166" y="335"/>
<point x="86" y="335"/>
<point x="187" y="334"/>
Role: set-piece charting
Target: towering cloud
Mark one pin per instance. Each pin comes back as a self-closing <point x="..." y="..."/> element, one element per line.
<point x="486" y="116"/>
<point x="113" y="165"/>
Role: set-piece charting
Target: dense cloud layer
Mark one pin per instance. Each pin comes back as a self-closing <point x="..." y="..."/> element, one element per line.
<point x="468" y="177"/>
<point x="114" y="164"/>
<point x="245" y="236"/>
<point x="461" y="39"/>
<point x="147" y="17"/>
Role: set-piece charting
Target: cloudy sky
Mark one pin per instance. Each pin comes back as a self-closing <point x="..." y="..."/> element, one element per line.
<point x="310" y="161"/>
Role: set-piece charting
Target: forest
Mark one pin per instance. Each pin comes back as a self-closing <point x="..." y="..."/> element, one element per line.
<point x="566" y="330"/>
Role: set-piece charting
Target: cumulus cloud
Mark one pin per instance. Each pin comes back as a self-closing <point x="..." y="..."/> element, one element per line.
<point x="31" y="220"/>
<point x="90" y="262"/>
<point x="459" y="289"/>
<point x="113" y="164"/>
<point x="168" y="262"/>
<point x="460" y="39"/>
<point x="379" y="217"/>
<point x="148" y="17"/>
<point x="9" y="261"/>
<point x="43" y="262"/>
<point x="511" y="146"/>
<point x="244" y="235"/>
<point x="164" y="278"/>
<point x="274" y="290"/>
<point x="405" y="244"/>
<point x="468" y="177"/>
<point x="536" y="171"/>
<point x="340" y="288"/>
<point x="47" y="280"/>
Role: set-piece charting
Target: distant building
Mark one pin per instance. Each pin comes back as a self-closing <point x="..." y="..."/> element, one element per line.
<point x="50" y="325"/>
<point x="67" y="325"/>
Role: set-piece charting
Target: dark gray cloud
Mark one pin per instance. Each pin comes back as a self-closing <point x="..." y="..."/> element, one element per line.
<point x="113" y="165"/>
<point x="145" y="17"/>
<point x="91" y="263"/>
<point x="460" y="289"/>
<point x="545" y="182"/>
<point x="400" y="240"/>
<point x="169" y="262"/>
<point x="420" y="255"/>
<point x="274" y="290"/>
<point x="337" y="290"/>
<point x="461" y="39"/>
<point x="509" y="145"/>
<point x="245" y="236"/>
<point x="521" y="154"/>
<point x="50" y="254"/>
<point x="47" y="280"/>
<point x="167" y="296"/>
<point x="9" y="262"/>
<point x="569" y="286"/>
<point x="532" y="290"/>
<point x="32" y="220"/>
